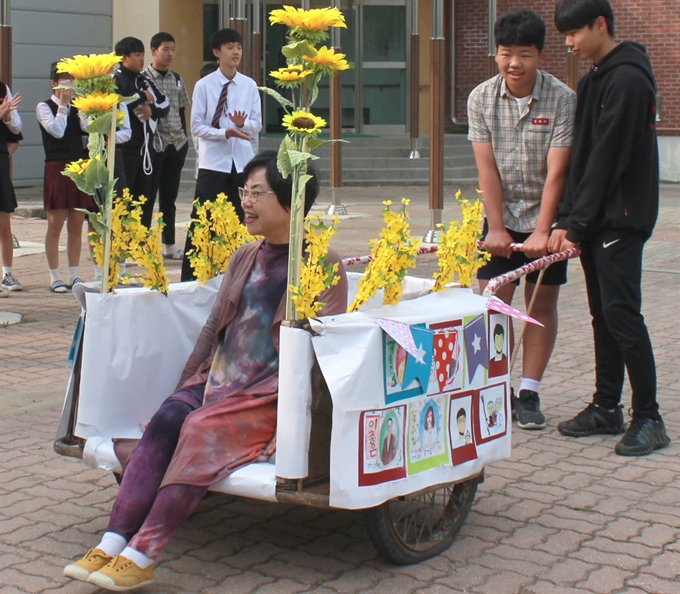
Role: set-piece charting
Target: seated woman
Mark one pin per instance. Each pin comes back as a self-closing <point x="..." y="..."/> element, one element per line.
<point x="223" y="414"/>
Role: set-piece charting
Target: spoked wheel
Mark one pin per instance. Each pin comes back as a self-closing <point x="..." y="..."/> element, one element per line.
<point x="415" y="527"/>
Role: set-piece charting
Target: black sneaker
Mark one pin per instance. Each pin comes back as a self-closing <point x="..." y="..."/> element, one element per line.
<point x="513" y="399"/>
<point x="528" y="410"/>
<point x="594" y="420"/>
<point x="643" y="437"/>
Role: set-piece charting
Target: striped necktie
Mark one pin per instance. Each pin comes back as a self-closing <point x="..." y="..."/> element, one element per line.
<point x="221" y="106"/>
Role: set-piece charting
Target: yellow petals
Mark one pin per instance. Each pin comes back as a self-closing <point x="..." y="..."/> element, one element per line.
<point x="315" y="274"/>
<point x="393" y="254"/>
<point x="291" y="74"/>
<point x="328" y="60"/>
<point x="96" y="102"/>
<point x="315" y="19"/>
<point x="303" y="122"/>
<point x="92" y="66"/>
<point x="217" y="234"/>
<point x="458" y="257"/>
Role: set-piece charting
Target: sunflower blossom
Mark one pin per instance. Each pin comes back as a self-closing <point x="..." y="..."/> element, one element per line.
<point x="96" y="102"/>
<point x="303" y="122"/>
<point x="290" y="76"/>
<point x="315" y="19"/>
<point x="327" y="60"/>
<point x="92" y="66"/>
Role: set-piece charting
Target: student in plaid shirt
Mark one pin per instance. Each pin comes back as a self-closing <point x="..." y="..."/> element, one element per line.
<point x="170" y="143"/>
<point x="520" y="125"/>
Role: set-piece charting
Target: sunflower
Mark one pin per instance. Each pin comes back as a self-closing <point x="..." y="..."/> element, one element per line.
<point x="96" y="102"/>
<point x="92" y="66"/>
<point x="316" y="19"/>
<point x="328" y="61"/>
<point x="290" y="76"/>
<point x="303" y="122"/>
<point x="77" y="167"/>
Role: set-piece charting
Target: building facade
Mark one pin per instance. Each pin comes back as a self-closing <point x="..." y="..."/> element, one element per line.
<point x="379" y="40"/>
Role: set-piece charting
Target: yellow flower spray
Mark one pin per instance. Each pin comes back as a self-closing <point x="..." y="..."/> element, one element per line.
<point x="217" y="234"/>
<point x="458" y="255"/>
<point x="315" y="274"/>
<point x="130" y="238"/>
<point x="393" y="254"/>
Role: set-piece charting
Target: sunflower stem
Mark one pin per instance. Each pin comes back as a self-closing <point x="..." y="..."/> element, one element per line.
<point x="108" y="202"/>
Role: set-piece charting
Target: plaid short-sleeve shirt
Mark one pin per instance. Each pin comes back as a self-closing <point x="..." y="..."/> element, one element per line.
<point x="521" y="142"/>
<point x="170" y="127"/>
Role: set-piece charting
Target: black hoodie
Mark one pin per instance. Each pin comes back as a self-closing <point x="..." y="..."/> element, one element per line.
<point x="613" y="180"/>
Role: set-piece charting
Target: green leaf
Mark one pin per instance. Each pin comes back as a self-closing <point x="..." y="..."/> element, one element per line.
<point x="283" y="161"/>
<point x="297" y="49"/>
<point x="97" y="175"/>
<point x="276" y="95"/>
<point x="100" y="124"/>
<point x="297" y="157"/>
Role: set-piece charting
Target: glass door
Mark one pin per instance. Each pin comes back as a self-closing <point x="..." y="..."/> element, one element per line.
<point x="374" y="91"/>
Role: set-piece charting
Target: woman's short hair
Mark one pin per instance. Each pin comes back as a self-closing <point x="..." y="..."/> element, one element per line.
<point x="283" y="186"/>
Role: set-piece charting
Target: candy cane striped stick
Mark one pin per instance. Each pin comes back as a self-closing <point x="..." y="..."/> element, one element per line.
<point x="538" y="264"/>
<point x="424" y="249"/>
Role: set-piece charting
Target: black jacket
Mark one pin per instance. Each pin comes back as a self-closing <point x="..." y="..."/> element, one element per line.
<point x="613" y="180"/>
<point x="133" y="84"/>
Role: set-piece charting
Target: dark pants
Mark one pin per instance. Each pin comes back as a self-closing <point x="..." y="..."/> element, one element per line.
<point x="141" y="510"/>
<point x="208" y="185"/>
<point x="167" y="171"/>
<point x="138" y="182"/>
<point x="612" y="263"/>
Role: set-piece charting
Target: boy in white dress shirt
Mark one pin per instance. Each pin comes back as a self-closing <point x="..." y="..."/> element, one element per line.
<point x="226" y="112"/>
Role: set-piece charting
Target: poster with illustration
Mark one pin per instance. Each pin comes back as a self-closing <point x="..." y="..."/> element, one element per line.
<point x="381" y="446"/>
<point x="461" y="423"/>
<point x="490" y="414"/>
<point x="448" y="364"/>
<point x="476" y="350"/>
<point x="427" y="439"/>
<point x="405" y="374"/>
<point x="498" y="345"/>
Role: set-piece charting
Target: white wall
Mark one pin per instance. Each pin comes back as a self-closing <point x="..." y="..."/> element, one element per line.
<point x="669" y="158"/>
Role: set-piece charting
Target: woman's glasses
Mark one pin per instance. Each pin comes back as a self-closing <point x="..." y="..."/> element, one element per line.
<point x="244" y="194"/>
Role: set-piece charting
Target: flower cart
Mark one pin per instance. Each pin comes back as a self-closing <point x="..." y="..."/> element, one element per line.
<point x="395" y="410"/>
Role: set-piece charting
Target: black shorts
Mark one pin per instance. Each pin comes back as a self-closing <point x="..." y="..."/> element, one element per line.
<point x="8" y="199"/>
<point x="555" y="275"/>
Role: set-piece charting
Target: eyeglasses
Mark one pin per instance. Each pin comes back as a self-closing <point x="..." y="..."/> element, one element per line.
<point x="244" y="194"/>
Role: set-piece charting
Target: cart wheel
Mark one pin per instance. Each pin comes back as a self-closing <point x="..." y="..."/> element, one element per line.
<point x="413" y="528"/>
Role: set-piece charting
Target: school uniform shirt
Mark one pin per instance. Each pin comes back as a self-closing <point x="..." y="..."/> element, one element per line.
<point x="215" y="151"/>
<point x="521" y="139"/>
<point x="172" y="128"/>
<point x="14" y="123"/>
<point x="55" y="124"/>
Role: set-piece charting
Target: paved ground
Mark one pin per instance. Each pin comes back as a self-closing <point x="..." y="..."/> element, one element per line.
<point x="562" y="515"/>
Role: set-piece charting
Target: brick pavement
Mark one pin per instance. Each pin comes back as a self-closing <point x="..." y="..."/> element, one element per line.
<point x="562" y="515"/>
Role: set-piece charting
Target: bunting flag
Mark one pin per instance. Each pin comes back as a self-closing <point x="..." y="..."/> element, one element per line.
<point x="495" y="304"/>
<point x="476" y="346"/>
<point x="420" y="368"/>
<point x="401" y="332"/>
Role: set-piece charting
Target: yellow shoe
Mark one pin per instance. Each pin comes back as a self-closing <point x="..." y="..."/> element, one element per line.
<point x="93" y="560"/>
<point x="121" y="574"/>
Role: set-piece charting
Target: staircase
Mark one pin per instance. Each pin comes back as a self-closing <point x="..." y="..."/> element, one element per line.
<point x="383" y="161"/>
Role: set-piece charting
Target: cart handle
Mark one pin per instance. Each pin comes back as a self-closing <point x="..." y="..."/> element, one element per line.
<point x="538" y="264"/>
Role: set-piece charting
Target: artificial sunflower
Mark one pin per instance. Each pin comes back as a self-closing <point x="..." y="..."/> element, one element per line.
<point x="290" y="76"/>
<point x="316" y="19"/>
<point x="96" y="102"/>
<point x="327" y="60"/>
<point x="92" y="66"/>
<point x="303" y="122"/>
<point x="77" y="167"/>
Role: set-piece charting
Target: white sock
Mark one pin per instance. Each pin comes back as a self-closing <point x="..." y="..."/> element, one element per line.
<point x="55" y="275"/>
<point x="123" y="268"/>
<point x="112" y="544"/>
<point x="6" y="270"/>
<point x="73" y="274"/>
<point x="170" y="249"/>
<point x="97" y="274"/>
<point x="139" y="558"/>
<point x="526" y="383"/>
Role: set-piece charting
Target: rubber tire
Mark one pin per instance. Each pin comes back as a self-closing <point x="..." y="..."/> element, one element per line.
<point x="394" y="549"/>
